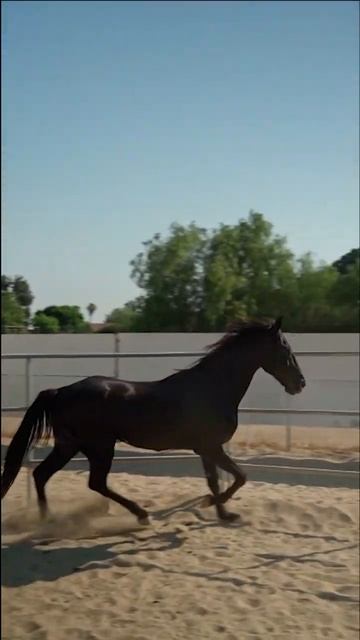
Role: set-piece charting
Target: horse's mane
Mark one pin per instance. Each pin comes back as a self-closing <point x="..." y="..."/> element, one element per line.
<point x="239" y="329"/>
<point x="236" y="331"/>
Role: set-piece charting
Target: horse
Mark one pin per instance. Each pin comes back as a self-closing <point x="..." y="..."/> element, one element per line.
<point x="193" y="409"/>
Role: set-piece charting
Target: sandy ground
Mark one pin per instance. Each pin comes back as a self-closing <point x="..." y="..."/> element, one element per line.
<point x="287" y="570"/>
<point x="338" y="442"/>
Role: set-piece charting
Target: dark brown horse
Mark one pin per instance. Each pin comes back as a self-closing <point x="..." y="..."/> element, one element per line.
<point x="195" y="408"/>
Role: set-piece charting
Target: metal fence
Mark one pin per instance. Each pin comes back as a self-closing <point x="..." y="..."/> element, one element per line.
<point x="116" y="356"/>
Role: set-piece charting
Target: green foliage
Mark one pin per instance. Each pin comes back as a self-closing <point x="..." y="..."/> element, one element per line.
<point x="310" y="308"/>
<point x="69" y="318"/>
<point x="248" y="271"/>
<point x="43" y="323"/>
<point x="19" y="298"/>
<point x="22" y="292"/>
<point x="13" y="316"/>
<point x="198" y="280"/>
<point x="345" y="295"/>
<point x="348" y="260"/>
<point x="6" y="283"/>
<point x="120" y="319"/>
<point x="170" y="271"/>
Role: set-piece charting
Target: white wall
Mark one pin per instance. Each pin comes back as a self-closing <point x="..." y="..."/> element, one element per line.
<point x="332" y="382"/>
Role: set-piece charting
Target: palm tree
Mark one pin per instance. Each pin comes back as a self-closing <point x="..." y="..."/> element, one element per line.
<point x="91" y="308"/>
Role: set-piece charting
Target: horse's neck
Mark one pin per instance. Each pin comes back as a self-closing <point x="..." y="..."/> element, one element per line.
<point x="232" y="372"/>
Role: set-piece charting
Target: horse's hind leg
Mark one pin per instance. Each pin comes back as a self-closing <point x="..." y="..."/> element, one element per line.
<point x="100" y="465"/>
<point x="55" y="461"/>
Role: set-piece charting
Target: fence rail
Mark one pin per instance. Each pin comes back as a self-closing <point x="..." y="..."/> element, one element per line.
<point x="301" y="412"/>
<point x="116" y="355"/>
<point x="151" y="354"/>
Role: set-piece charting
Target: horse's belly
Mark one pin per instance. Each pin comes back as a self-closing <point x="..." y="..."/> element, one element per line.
<point x="146" y="437"/>
<point x="158" y="444"/>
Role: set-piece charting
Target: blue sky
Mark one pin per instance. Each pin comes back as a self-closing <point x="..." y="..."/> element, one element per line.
<point x="121" y="117"/>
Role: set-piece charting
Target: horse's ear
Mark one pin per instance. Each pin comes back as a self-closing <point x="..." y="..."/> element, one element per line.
<point x="277" y="325"/>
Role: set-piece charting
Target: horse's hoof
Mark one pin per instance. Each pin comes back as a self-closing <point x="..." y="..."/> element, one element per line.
<point x="229" y="517"/>
<point x="144" y="521"/>
<point x="207" y="501"/>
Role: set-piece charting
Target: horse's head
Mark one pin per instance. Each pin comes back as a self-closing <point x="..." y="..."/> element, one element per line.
<point x="279" y="360"/>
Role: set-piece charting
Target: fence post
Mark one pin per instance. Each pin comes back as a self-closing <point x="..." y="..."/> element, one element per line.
<point x="30" y="454"/>
<point x="288" y="425"/>
<point x="116" y="360"/>
<point x="27" y="381"/>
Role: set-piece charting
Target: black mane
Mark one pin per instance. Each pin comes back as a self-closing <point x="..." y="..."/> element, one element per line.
<point x="239" y="329"/>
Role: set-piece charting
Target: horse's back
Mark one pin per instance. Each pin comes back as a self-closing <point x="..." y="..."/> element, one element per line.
<point x="102" y="385"/>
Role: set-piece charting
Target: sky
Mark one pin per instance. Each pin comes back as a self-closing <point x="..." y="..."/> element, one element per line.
<point x="119" y="118"/>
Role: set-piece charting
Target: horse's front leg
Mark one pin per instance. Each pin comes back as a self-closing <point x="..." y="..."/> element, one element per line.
<point x="213" y="482"/>
<point x="227" y="464"/>
<point x="222" y="460"/>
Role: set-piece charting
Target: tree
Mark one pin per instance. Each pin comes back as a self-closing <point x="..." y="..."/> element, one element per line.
<point x="170" y="271"/>
<point x="343" y="264"/>
<point x="248" y="272"/>
<point x="43" y="323"/>
<point x="69" y="318"/>
<point x="91" y="308"/>
<point x="21" y="292"/>
<point x="13" y="317"/>
<point x="6" y="283"/>
<point x="345" y="298"/>
<point x="120" y="319"/>
<point x="312" y="309"/>
<point x="200" y="280"/>
<point x="346" y="289"/>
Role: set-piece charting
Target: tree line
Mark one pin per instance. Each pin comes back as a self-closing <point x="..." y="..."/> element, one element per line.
<point x="16" y="316"/>
<point x="196" y="279"/>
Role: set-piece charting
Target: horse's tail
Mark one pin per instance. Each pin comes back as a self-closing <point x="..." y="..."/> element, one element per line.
<point x="35" y="426"/>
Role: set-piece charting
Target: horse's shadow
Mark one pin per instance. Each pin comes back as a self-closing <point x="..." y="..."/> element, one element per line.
<point x="22" y="564"/>
<point x="29" y="561"/>
<point x="25" y="563"/>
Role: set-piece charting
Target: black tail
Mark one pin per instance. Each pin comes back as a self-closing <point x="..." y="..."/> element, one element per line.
<point x="35" y="426"/>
